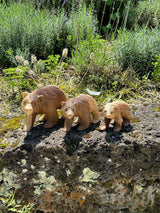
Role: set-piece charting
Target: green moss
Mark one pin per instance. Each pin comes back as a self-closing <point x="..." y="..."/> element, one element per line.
<point x="3" y="119"/>
<point x="135" y="109"/>
<point x="10" y="124"/>
<point x="89" y="176"/>
<point x="43" y="182"/>
<point x="135" y="120"/>
<point x="157" y="109"/>
<point x="86" y="136"/>
<point x="4" y="145"/>
<point x="10" y="181"/>
<point x="14" y="144"/>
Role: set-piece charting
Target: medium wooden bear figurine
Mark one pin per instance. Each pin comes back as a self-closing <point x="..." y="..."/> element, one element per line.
<point x="42" y="101"/>
<point x="82" y="106"/>
<point x="117" y="110"/>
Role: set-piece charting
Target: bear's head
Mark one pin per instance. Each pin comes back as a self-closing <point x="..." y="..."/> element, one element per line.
<point x="68" y="109"/>
<point x="109" y="110"/>
<point x="31" y="102"/>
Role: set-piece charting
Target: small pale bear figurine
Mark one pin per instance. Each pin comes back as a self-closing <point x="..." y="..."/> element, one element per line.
<point x="44" y="101"/>
<point x="84" y="107"/>
<point x="117" y="110"/>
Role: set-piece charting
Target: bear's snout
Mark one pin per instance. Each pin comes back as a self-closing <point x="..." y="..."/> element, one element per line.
<point x="70" y="114"/>
<point x="28" y="109"/>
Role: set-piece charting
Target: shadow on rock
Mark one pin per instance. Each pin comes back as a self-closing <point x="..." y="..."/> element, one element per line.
<point x="73" y="138"/>
<point x="116" y="137"/>
<point x="39" y="133"/>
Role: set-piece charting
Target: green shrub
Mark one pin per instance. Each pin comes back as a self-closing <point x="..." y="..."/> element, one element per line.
<point x="137" y="50"/>
<point x="52" y="62"/>
<point x="25" y="75"/>
<point x="95" y="66"/>
<point x="145" y="14"/>
<point x="156" y="72"/>
<point x="16" y="78"/>
<point x="40" y="33"/>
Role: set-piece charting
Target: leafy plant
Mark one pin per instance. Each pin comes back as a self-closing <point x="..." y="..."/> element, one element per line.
<point x="156" y="72"/>
<point x="16" y="78"/>
<point x="11" y="205"/>
<point x="52" y="62"/>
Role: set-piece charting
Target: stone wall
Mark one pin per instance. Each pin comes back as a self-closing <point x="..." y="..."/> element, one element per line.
<point x="88" y="171"/>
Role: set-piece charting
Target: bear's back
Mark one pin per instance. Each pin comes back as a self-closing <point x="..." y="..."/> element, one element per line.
<point x="51" y="94"/>
<point x="84" y="102"/>
<point x="123" y="107"/>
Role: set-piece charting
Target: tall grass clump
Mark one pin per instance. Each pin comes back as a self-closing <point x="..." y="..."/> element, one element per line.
<point x="30" y="31"/>
<point x="146" y="13"/>
<point x="94" y="64"/>
<point x="156" y="72"/>
<point x="137" y="50"/>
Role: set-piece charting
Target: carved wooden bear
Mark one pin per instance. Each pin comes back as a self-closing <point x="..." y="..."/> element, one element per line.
<point x="117" y="110"/>
<point x="42" y="101"/>
<point x="82" y="106"/>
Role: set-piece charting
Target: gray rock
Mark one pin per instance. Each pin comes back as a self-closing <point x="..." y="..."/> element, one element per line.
<point x="87" y="171"/>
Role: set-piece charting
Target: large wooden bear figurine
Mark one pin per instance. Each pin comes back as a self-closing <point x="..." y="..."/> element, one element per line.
<point x="117" y="110"/>
<point x="82" y="106"/>
<point x="42" y="101"/>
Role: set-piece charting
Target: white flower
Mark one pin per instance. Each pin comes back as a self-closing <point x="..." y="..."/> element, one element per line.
<point x="40" y="62"/>
<point x="18" y="70"/>
<point x="32" y="73"/>
<point x="26" y="63"/>
<point x="92" y="57"/>
<point x="33" y="59"/>
<point x="64" y="53"/>
<point x="40" y="86"/>
<point x="19" y="59"/>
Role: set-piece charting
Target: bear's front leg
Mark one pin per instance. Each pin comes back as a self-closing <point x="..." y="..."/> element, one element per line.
<point x="118" y="123"/>
<point x="106" y="124"/>
<point x="67" y="124"/>
<point x="84" y="121"/>
<point x="29" y="120"/>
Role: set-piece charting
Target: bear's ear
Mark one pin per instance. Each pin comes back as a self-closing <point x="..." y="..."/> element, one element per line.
<point x="114" y="108"/>
<point x="24" y="94"/>
<point x="75" y="104"/>
<point x="40" y="97"/>
<point x="63" y="103"/>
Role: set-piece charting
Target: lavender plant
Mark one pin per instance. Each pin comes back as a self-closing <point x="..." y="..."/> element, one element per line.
<point x="39" y="32"/>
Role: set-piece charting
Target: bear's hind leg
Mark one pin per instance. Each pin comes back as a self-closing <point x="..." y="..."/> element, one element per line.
<point x="84" y="121"/>
<point x="95" y="116"/>
<point x="118" y="124"/>
<point x="51" y="118"/>
<point x="126" y="122"/>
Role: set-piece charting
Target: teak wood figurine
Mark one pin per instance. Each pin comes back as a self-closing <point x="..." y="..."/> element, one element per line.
<point x="117" y="110"/>
<point x="84" y="107"/>
<point x="44" y="101"/>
